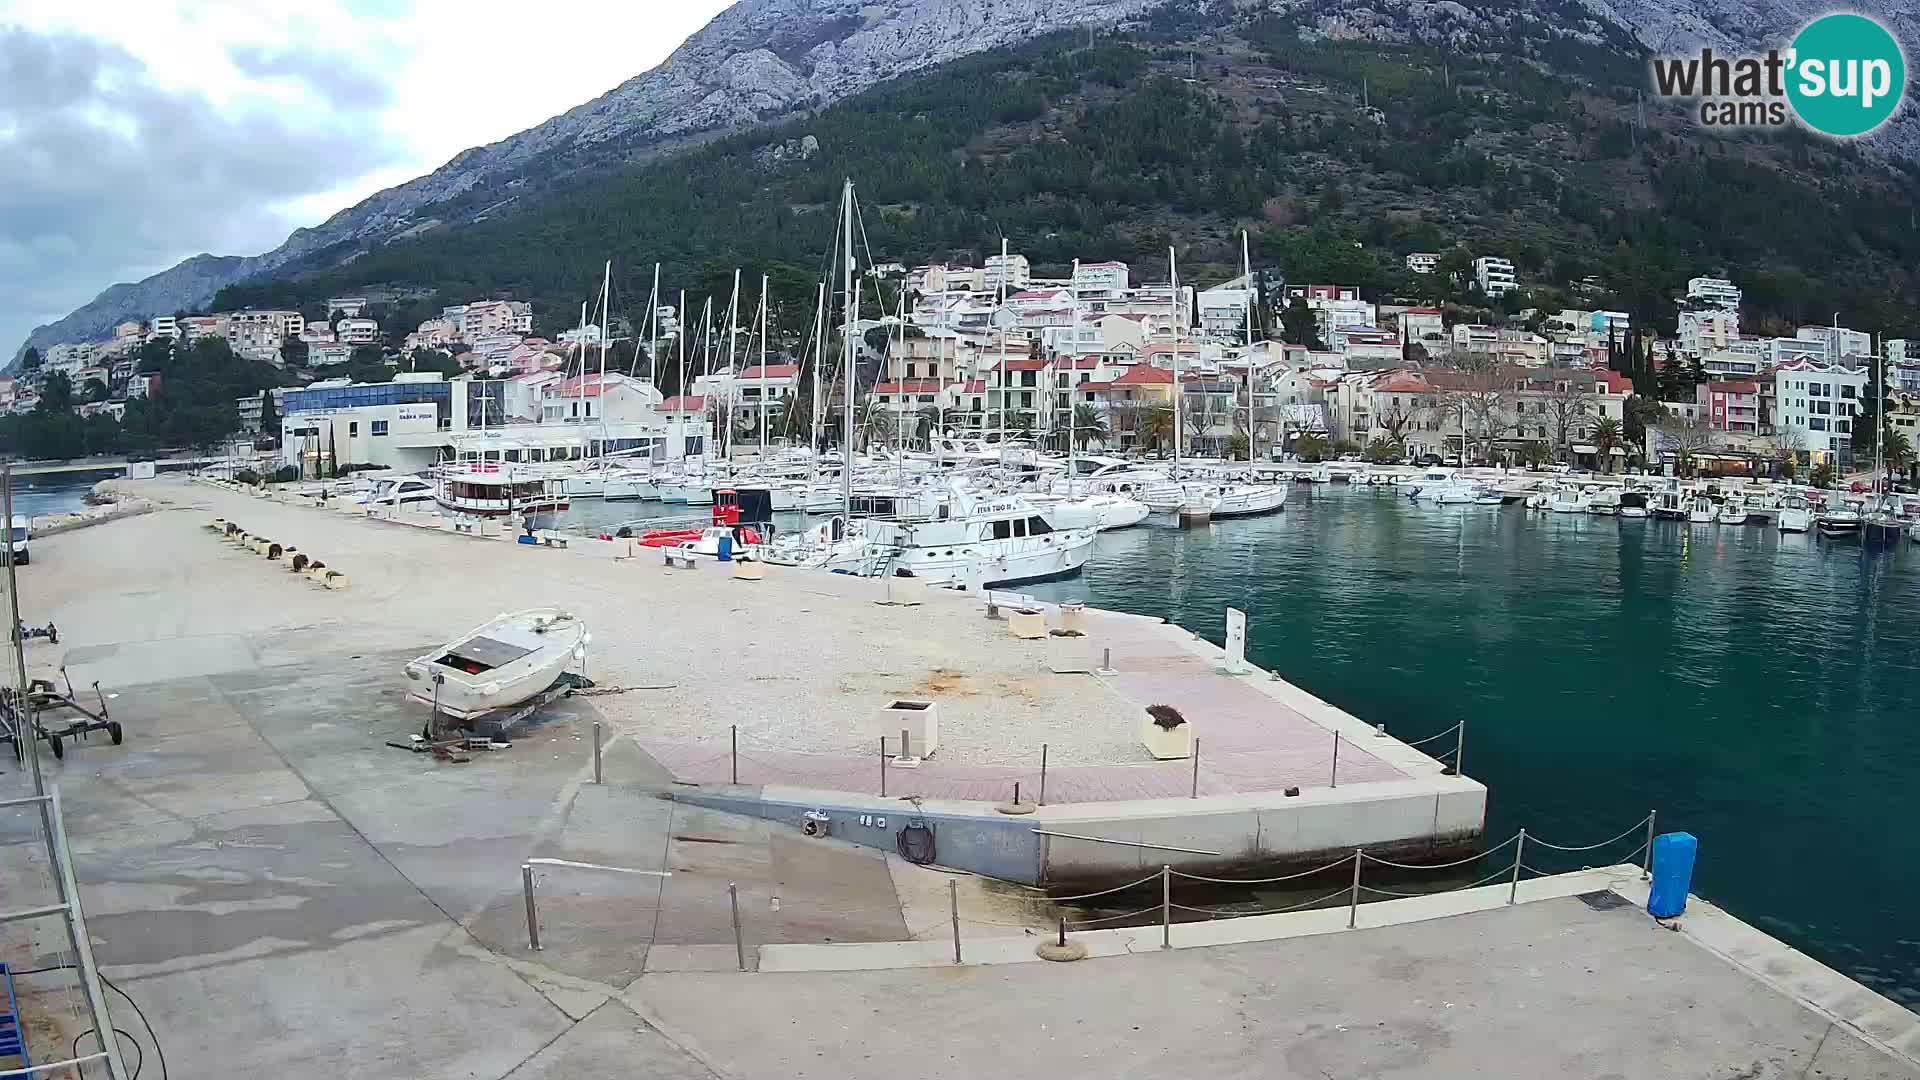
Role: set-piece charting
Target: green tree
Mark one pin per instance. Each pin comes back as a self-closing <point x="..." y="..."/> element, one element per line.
<point x="93" y="391"/>
<point x="1156" y="427"/>
<point x="1089" y="425"/>
<point x="56" y="394"/>
<point x="30" y="360"/>
<point x="1823" y="475"/>
<point x="1606" y="437"/>
<point x="1310" y="447"/>
<point x="269" y="415"/>
<point x="1300" y="326"/>
<point x="293" y="353"/>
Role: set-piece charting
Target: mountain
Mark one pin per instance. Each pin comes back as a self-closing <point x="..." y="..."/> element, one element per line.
<point x="766" y="62"/>
<point x="757" y="60"/>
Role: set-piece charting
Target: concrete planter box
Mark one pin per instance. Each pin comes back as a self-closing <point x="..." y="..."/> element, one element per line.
<point x="1070" y="655"/>
<point x="905" y="591"/>
<point x="920" y="720"/>
<point x="1030" y="625"/>
<point x="1165" y="744"/>
<point x="749" y="571"/>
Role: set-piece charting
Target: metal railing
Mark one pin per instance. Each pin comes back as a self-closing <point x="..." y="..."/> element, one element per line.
<point x="527" y="888"/>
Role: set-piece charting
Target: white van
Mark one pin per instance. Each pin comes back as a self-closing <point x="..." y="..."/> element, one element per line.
<point x="17" y="543"/>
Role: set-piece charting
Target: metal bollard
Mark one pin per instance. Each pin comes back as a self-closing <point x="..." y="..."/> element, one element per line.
<point x="596" y="751"/>
<point x="1460" y="749"/>
<point x="1196" y="769"/>
<point x="1646" y="858"/>
<point x="739" y="945"/>
<point x="953" y="903"/>
<point x="1335" y="781"/>
<point x="533" y="919"/>
<point x="1043" y="775"/>
<point x="883" y="766"/>
<point x="1353" y="897"/>
<point x="1166" y="907"/>
<point x="1519" y="848"/>
<point x="735" y="751"/>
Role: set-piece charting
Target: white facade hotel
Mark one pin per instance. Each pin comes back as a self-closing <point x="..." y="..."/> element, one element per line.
<point x="1423" y="262"/>
<point x="1818" y="402"/>
<point x="1713" y="291"/>
<point x="1494" y="275"/>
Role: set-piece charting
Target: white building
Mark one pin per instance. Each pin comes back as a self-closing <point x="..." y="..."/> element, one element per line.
<point x="1715" y="292"/>
<point x="1423" y="262"/>
<point x="1101" y="280"/>
<point x="1223" y="312"/>
<point x="357" y="331"/>
<point x="1726" y="364"/>
<point x="1841" y="342"/>
<point x="1494" y="275"/>
<point x="1013" y="271"/>
<point x="1818" y="401"/>
<point x="163" y="326"/>
<point x="1710" y="329"/>
<point x="349" y="306"/>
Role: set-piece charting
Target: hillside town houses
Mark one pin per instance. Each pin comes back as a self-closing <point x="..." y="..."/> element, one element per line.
<point x="997" y="351"/>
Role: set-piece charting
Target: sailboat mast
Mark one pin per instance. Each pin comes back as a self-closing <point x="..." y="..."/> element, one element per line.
<point x="1173" y="276"/>
<point x="1073" y="379"/>
<point x="1246" y="281"/>
<point x="733" y="336"/>
<point x="940" y="363"/>
<point x="999" y="318"/>
<point x="680" y="386"/>
<point x="852" y="300"/>
<point x="606" y="339"/>
<point x="765" y="332"/>
<point x="819" y="358"/>
<point x="653" y="332"/>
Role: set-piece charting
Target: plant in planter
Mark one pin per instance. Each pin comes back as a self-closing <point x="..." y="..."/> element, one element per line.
<point x="1165" y="733"/>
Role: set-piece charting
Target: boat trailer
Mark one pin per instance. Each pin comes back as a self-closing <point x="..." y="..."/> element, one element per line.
<point x="19" y="711"/>
<point x="497" y="723"/>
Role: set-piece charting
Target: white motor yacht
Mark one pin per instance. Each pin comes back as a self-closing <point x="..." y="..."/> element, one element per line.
<point x="1795" y="515"/>
<point x="1701" y="511"/>
<point x="400" y="492"/>
<point x="1001" y="541"/>
<point x="1567" y="499"/>
<point x="1731" y="512"/>
<point x="1604" y="503"/>
<point x="1099" y="512"/>
<point x="486" y="489"/>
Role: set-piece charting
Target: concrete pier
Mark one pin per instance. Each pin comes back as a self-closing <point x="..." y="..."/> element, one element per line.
<point x="287" y="896"/>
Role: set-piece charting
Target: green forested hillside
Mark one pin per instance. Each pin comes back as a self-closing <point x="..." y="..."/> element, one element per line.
<point x="1524" y="142"/>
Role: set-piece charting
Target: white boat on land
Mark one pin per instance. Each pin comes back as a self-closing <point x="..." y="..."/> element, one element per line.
<point x="1731" y="512"/>
<point x="1701" y="512"/>
<point x="1795" y="515"/>
<point x="499" y="664"/>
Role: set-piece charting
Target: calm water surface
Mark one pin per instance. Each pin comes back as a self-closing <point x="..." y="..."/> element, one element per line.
<point x="1758" y="690"/>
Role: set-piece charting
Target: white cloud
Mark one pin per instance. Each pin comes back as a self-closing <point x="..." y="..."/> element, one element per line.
<point x="134" y="134"/>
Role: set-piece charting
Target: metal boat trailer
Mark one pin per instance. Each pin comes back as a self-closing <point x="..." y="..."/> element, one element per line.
<point x="497" y="723"/>
<point x="18" y="711"/>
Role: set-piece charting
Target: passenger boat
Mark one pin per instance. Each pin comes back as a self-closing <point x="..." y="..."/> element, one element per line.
<point x="1670" y="502"/>
<point x="1731" y="512"/>
<point x="1701" y="511"/>
<point x="487" y="489"/>
<point x="1795" y="515"/>
<point x="498" y="664"/>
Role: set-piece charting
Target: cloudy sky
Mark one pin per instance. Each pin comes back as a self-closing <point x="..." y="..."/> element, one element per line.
<point x="135" y="133"/>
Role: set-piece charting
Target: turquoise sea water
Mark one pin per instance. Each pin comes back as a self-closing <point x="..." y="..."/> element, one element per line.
<point x="1758" y="690"/>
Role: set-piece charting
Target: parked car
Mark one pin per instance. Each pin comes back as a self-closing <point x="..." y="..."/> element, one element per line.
<point x="17" y="542"/>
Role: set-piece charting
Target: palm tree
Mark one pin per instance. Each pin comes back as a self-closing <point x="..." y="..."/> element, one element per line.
<point x="1606" y="436"/>
<point x="926" y="424"/>
<point x="1309" y="446"/>
<point x="1089" y="425"/>
<point x="1897" y="451"/>
<point x="1156" y="426"/>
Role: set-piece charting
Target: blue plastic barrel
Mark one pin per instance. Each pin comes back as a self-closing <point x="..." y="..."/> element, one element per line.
<point x="1672" y="874"/>
<point x="726" y="549"/>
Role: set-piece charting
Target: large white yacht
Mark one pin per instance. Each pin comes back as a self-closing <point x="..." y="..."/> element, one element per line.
<point x="977" y="543"/>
